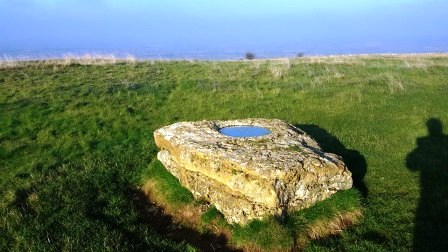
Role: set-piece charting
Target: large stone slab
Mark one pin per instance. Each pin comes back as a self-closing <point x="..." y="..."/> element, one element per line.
<point x="250" y="177"/>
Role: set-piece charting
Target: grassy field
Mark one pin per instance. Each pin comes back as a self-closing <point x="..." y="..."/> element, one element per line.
<point x="76" y="143"/>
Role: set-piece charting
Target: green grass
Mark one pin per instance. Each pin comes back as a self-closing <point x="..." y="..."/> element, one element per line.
<point x="76" y="140"/>
<point x="300" y="226"/>
<point x="172" y="193"/>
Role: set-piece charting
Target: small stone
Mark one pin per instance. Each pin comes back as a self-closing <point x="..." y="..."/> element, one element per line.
<point x="153" y="209"/>
<point x="250" y="177"/>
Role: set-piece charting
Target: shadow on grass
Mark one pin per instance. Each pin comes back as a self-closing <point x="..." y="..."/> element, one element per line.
<point x="354" y="160"/>
<point x="164" y="224"/>
<point x="161" y="223"/>
<point x="430" y="158"/>
<point x="21" y="202"/>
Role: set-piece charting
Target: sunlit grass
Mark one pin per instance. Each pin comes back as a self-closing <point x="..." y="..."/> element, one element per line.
<point x="76" y="139"/>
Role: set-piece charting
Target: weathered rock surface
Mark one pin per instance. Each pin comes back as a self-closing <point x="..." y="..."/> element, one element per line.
<point x="251" y="177"/>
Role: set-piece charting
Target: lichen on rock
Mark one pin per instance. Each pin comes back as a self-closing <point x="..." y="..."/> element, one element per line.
<point x="250" y="177"/>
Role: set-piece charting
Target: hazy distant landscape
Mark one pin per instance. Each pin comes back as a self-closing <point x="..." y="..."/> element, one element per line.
<point x="225" y="52"/>
<point x="175" y="29"/>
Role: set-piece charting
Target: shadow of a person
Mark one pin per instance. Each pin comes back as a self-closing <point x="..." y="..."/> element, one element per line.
<point x="356" y="163"/>
<point x="431" y="159"/>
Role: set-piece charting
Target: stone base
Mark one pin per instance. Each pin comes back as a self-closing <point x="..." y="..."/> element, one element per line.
<point x="249" y="178"/>
<point x="235" y="208"/>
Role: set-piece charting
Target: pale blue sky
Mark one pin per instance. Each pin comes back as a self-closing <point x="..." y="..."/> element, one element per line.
<point x="128" y="23"/>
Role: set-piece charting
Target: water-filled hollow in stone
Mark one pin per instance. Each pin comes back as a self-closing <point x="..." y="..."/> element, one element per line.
<point x="245" y="131"/>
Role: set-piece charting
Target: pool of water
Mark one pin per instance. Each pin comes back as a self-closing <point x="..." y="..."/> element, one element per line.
<point x="244" y="131"/>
